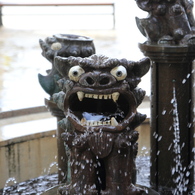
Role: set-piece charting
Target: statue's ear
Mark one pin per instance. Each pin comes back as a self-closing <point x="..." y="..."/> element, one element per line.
<point x="62" y="65"/>
<point x="141" y="67"/>
<point x="145" y="5"/>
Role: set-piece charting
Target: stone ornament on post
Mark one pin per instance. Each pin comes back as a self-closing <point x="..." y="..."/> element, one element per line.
<point x="169" y="21"/>
<point x="99" y="97"/>
<point x="63" y="45"/>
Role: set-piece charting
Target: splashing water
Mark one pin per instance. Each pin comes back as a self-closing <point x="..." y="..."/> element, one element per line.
<point x="178" y="170"/>
<point x="53" y="164"/>
<point x="9" y="181"/>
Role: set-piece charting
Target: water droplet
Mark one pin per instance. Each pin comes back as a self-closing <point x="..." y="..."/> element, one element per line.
<point x="173" y="171"/>
<point x="187" y="173"/>
<point x="159" y="138"/>
<point x="164" y="112"/>
<point x="51" y="166"/>
<point x="184" y="81"/>
<point x="144" y="148"/>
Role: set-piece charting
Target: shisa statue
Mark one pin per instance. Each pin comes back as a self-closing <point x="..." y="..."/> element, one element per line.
<point x="99" y="97"/>
<point x="63" y="45"/>
<point x="169" y="21"/>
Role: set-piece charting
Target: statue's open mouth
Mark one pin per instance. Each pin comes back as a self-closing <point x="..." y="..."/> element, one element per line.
<point x="106" y="110"/>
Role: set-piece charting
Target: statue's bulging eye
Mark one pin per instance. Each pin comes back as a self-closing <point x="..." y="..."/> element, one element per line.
<point x="75" y="72"/>
<point x="119" y="72"/>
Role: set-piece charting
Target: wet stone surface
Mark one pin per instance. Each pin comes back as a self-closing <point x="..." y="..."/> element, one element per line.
<point x="38" y="185"/>
<point x="32" y="187"/>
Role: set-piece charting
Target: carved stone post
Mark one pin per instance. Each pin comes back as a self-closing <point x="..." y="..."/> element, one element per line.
<point x="171" y="47"/>
<point x="172" y="127"/>
<point x="61" y="45"/>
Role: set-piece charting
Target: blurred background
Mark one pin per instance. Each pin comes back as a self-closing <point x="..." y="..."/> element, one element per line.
<point x="20" y="53"/>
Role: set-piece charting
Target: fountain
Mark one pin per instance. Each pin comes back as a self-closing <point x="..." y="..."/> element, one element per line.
<point x="95" y="100"/>
<point x="101" y="136"/>
<point x="170" y="32"/>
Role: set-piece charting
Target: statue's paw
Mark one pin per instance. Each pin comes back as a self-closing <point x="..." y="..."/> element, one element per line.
<point x="91" y="192"/>
<point x="73" y="190"/>
<point x="134" y="190"/>
<point x="80" y="142"/>
<point x="166" y="39"/>
<point x="106" y="192"/>
<point x="66" y="136"/>
<point x="191" y="41"/>
<point x="63" y="190"/>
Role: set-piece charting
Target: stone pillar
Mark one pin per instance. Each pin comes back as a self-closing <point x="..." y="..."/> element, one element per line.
<point x="172" y="129"/>
<point x="62" y="157"/>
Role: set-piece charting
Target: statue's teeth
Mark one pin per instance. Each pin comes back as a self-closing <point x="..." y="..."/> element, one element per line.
<point x="83" y="121"/>
<point x="106" y="122"/>
<point x="92" y="123"/>
<point x="100" y="97"/>
<point x="115" y="96"/>
<point x="95" y="96"/>
<point x="80" y="95"/>
<point x="114" y="122"/>
<point x="100" y="123"/>
<point x="86" y="95"/>
<point x="105" y="97"/>
<point x="89" y="95"/>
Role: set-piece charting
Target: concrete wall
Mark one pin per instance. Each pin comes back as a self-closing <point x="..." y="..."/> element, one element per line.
<point x="144" y="138"/>
<point x="27" y="157"/>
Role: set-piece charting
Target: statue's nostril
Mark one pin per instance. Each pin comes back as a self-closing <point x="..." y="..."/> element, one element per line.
<point x="90" y="81"/>
<point x="104" y="81"/>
